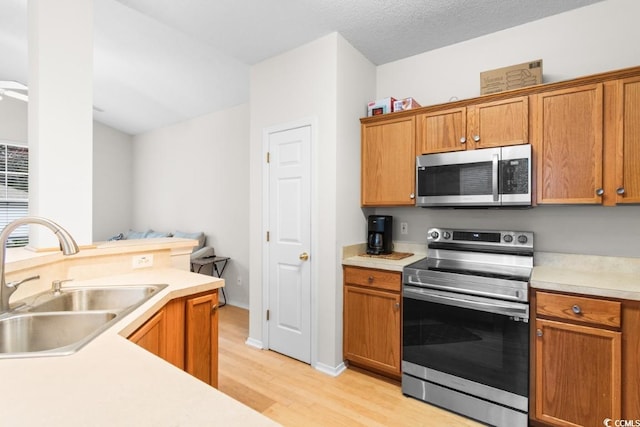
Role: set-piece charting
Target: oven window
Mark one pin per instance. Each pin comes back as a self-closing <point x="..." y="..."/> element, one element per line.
<point x="487" y="348"/>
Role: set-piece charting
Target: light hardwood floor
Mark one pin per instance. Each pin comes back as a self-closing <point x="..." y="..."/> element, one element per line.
<point x="294" y="394"/>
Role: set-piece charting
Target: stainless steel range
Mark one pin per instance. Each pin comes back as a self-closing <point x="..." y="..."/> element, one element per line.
<point x="465" y="324"/>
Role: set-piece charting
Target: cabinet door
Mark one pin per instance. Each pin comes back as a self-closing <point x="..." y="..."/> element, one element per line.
<point x="628" y="141"/>
<point x="499" y="123"/>
<point x="372" y="329"/>
<point x="578" y="374"/>
<point x="201" y="346"/>
<point x="152" y="336"/>
<point x="567" y="145"/>
<point x="442" y="131"/>
<point x="388" y="162"/>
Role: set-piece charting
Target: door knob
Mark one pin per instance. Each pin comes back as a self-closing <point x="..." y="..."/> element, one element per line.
<point x="304" y="256"/>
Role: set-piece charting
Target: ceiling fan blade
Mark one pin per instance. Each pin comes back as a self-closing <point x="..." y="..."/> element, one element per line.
<point x="12" y="85"/>
<point x="16" y="95"/>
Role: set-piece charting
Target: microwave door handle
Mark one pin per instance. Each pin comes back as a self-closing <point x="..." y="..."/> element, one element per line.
<point x="494" y="174"/>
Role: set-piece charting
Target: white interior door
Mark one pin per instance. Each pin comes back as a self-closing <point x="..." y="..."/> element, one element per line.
<point x="289" y="323"/>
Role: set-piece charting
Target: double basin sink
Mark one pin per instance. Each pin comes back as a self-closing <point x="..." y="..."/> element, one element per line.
<point x="60" y="323"/>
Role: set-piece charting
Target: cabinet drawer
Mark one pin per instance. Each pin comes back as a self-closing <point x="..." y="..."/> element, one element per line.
<point x="379" y="279"/>
<point x="582" y="309"/>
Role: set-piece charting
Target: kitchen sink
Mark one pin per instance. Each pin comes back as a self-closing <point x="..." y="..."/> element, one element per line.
<point x="59" y="323"/>
<point x="94" y="298"/>
<point x="49" y="334"/>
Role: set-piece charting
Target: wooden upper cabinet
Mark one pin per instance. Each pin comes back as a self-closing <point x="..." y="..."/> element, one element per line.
<point x="623" y="119"/>
<point x="499" y="123"/>
<point x="483" y="125"/>
<point x="388" y="162"/>
<point x="567" y="142"/>
<point x="442" y="131"/>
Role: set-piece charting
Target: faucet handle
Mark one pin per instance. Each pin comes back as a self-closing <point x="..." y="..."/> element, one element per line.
<point x="56" y="285"/>
<point x="17" y="283"/>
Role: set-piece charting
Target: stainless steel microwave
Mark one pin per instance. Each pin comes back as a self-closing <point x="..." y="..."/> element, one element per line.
<point x="488" y="177"/>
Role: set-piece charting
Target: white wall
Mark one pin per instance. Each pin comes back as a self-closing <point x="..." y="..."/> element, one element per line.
<point x="303" y="83"/>
<point x="593" y="39"/>
<point x="13" y="120"/>
<point x="194" y="176"/>
<point x="112" y="182"/>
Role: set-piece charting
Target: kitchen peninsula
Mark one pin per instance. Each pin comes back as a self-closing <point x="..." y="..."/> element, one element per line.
<point x="112" y="381"/>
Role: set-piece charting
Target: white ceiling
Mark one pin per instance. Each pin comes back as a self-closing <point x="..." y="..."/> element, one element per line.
<point x="158" y="62"/>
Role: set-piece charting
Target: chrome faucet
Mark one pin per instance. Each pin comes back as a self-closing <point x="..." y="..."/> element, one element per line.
<point x="67" y="244"/>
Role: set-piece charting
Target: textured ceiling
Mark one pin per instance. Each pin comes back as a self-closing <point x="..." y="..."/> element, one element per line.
<point x="158" y="62"/>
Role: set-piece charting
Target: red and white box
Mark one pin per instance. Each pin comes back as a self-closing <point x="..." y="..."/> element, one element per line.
<point x="405" y="104"/>
<point x="380" y="106"/>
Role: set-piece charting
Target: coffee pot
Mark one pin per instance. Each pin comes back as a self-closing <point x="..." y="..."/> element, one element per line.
<point x="379" y="236"/>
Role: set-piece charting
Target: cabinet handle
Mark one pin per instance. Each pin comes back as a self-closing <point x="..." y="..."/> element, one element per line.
<point x="476" y="138"/>
<point x="620" y="190"/>
<point x="214" y="308"/>
<point x="463" y="140"/>
<point x="576" y="309"/>
<point x="599" y="191"/>
<point x="539" y="332"/>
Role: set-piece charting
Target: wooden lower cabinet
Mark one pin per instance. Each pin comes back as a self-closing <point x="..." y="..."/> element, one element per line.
<point x="578" y="378"/>
<point x="185" y="333"/>
<point x="371" y="320"/>
<point x="585" y="357"/>
<point x="152" y="335"/>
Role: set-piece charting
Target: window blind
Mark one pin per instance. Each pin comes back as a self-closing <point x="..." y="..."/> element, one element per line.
<point x="14" y="190"/>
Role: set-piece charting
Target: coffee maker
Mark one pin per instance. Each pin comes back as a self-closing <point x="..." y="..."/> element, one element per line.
<point x="379" y="236"/>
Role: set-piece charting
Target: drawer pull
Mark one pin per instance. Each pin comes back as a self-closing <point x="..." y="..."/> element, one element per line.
<point x="576" y="309"/>
<point x="370" y="279"/>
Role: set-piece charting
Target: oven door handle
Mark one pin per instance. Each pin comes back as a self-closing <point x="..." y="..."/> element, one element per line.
<point x="504" y="308"/>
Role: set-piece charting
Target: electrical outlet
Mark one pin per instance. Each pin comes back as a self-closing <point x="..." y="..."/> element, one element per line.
<point x="404" y="228"/>
<point x="142" y="261"/>
<point x="239" y="280"/>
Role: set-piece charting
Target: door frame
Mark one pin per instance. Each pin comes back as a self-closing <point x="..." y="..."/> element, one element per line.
<point x="312" y="122"/>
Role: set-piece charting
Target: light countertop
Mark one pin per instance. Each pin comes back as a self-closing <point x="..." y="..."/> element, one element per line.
<point x="353" y="256"/>
<point x="113" y="382"/>
<point x="612" y="277"/>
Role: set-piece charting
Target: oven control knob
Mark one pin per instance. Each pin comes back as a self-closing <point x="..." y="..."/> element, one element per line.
<point x="508" y="238"/>
<point x="435" y="234"/>
<point x="522" y="239"/>
<point x="446" y="235"/>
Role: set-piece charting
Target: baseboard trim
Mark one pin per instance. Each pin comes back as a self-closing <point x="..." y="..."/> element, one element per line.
<point x="331" y="370"/>
<point x="252" y="342"/>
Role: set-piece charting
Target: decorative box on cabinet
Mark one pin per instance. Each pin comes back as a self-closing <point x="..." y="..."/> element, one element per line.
<point x="372" y="319"/>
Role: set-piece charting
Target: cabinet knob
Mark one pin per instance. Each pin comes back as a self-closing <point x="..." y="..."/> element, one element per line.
<point x="463" y="140"/>
<point x="370" y="279"/>
<point x="214" y="308"/>
<point x="397" y="306"/>
<point x="412" y="196"/>
<point x="599" y="192"/>
<point x="476" y="138"/>
<point x="576" y="309"/>
<point x="620" y="190"/>
<point x="539" y="332"/>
